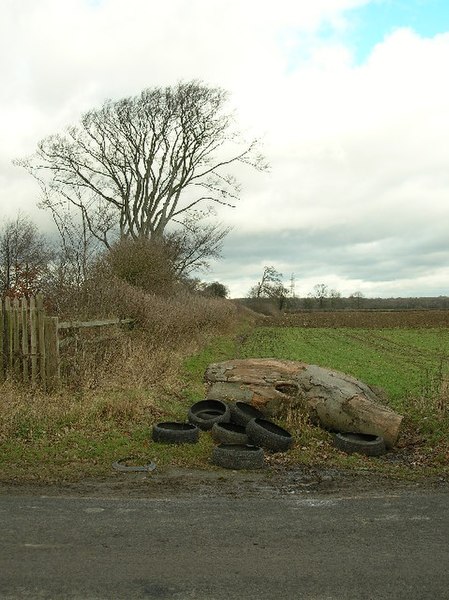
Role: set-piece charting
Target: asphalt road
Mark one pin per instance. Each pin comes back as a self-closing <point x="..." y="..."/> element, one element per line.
<point x="216" y="546"/>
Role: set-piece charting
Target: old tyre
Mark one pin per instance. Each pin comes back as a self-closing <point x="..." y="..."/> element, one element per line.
<point x="175" y="433"/>
<point x="205" y="413"/>
<point x="242" y="413"/>
<point x="363" y="443"/>
<point x="269" y="435"/>
<point x="233" y="456"/>
<point x="123" y="466"/>
<point x="229" y="433"/>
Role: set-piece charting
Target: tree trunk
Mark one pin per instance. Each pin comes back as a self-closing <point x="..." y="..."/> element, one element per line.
<point x="334" y="400"/>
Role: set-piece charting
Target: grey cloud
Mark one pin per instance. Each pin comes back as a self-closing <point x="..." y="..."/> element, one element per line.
<point x="313" y="255"/>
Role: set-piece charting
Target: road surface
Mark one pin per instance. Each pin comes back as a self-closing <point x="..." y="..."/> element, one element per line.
<point x="285" y="544"/>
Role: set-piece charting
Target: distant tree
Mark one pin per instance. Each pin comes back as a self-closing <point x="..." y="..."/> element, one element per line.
<point x="335" y="298"/>
<point x="270" y="286"/>
<point x="270" y="280"/>
<point x="320" y="292"/>
<point x="357" y="299"/>
<point x="25" y="257"/>
<point x="308" y="302"/>
<point x="136" y="165"/>
<point x="216" y="290"/>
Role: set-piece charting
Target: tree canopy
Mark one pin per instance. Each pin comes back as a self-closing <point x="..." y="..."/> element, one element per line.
<point x="25" y="255"/>
<point x="137" y="164"/>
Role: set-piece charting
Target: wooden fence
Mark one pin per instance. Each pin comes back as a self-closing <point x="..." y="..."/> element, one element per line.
<point x="30" y="341"/>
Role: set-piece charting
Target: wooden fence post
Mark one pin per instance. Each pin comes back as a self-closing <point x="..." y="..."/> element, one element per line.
<point x="25" y="341"/>
<point x="40" y="317"/>
<point x="16" y="338"/>
<point x="2" y="341"/>
<point x="53" y="372"/>
<point x="33" y="340"/>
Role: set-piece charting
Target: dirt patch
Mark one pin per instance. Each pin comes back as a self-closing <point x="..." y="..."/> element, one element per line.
<point x="269" y="482"/>
<point x="366" y="319"/>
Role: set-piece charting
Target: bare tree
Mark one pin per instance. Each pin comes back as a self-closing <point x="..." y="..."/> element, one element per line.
<point x="137" y="164"/>
<point x="79" y="248"/>
<point x="25" y="256"/>
<point x="357" y="298"/>
<point x="335" y="298"/>
<point x="271" y="278"/>
<point x="270" y="286"/>
<point x="195" y="244"/>
<point x="320" y="293"/>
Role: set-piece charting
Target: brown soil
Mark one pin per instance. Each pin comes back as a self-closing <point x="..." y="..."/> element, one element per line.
<point x="365" y="319"/>
<point x="269" y="482"/>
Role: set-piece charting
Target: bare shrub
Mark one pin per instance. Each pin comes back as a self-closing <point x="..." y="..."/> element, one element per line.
<point x="164" y="328"/>
<point x="135" y="280"/>
<point x="181" y="316"/>
<point x="143" y="263"/>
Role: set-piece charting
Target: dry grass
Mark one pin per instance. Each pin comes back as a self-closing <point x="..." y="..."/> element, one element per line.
<point x="165" y="329"/>
<point x="30" y="415"/>
<point x="112" y="390"/>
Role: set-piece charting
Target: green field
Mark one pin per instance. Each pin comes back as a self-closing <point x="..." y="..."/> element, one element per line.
<point x="403" y="362"/>
<point x="410" y="366"/>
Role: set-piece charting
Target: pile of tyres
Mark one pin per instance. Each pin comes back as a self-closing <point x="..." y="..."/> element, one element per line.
<point x="241" y="432"/>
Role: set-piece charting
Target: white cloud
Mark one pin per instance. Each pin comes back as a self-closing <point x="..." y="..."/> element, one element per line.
<point x="358" y="152"/>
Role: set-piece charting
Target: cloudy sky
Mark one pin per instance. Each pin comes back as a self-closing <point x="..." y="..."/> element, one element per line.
<point x="350" y="97"/>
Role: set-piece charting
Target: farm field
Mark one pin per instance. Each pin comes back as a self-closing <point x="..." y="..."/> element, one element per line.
<point x="408" y="365"/>
<point x="367" y="319"/>
<point x="78" y="433"/>
<point x="403" y="362"/>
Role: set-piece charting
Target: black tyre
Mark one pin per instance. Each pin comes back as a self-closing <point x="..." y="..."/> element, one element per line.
<point x="363" y="443"/>
<point x="242" y="413"/>
<point x="175" y="433"/>
<point x="229" y="433"/>
<point x="232" y="456"/>
<point x="205" y="413"/>
<point x="269" y="435"/>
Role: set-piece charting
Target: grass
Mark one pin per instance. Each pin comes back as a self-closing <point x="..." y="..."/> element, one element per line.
<point x="408" y="366"/>
<point x="78" y="432"/>
<point x="69" y="436"/>
<point x="403" y="362"/>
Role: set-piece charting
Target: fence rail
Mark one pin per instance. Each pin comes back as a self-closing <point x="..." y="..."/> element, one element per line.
<point x="30" y="341"/>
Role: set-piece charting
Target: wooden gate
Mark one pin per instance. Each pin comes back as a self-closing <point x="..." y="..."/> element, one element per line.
<point x="30" y="341"/>
<point x="29" y="346"/>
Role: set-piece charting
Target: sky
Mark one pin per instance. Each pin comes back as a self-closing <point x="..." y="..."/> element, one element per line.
<point x="349" y="97"/>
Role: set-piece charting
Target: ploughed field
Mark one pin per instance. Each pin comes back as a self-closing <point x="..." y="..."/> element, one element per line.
<point x="366" y="318"/>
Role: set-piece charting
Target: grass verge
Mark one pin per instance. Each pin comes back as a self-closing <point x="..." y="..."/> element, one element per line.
<point x="79" y="432"/>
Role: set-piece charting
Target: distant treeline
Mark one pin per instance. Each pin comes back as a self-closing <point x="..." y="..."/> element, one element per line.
<point x="268" y="306"/>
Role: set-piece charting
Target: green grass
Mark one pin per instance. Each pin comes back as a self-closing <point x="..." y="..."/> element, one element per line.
<point x="402" y="362"/>
<point x="409" y="365"/>
<point x="71" y="435"/>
